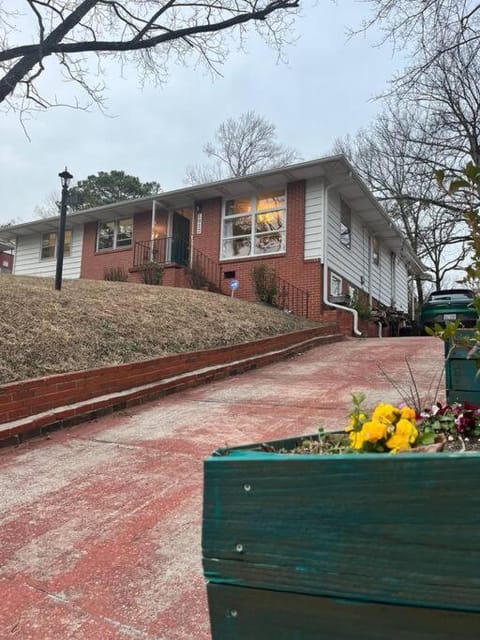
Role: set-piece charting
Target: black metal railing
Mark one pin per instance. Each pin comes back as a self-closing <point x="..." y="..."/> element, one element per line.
<point x="291" y="298"/>
<point x="166" y="250"/>
<point x="205" y="272"/>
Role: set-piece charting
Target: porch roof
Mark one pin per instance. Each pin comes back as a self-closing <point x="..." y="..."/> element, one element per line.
<point x="336" y="170"/>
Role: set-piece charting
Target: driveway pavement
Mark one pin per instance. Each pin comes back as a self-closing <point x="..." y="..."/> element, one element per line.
<point x="100" y="524"/>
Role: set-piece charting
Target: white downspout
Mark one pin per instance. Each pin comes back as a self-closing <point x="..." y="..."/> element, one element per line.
<point x="326" y="301"/>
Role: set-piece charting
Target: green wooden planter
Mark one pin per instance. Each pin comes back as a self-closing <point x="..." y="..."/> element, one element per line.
<point x="462" y="381"/>
<point x="349" y="547"/>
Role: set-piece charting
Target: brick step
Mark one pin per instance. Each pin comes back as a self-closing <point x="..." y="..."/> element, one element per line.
<point x="14" y="432"/>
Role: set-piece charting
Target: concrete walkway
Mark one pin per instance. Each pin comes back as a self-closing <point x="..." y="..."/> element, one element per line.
<point x="100" y="524"/>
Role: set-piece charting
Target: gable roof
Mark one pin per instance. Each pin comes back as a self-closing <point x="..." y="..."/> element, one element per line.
<point x="336" y="170"/>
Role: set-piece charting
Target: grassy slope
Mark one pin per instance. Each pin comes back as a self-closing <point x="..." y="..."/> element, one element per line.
<point x="93" y="323"/>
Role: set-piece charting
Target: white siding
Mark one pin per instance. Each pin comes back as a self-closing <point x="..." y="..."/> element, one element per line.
<point x="401" y="294"/>
<point x="381" y="277"/>
<point x="28" y="262"/>
<point x="352" y="263"/>
<point x="349" y="263"/>
<point x="314" y="219"/>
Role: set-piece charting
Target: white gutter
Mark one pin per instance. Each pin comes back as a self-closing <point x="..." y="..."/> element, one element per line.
<point x="326" y="301"/>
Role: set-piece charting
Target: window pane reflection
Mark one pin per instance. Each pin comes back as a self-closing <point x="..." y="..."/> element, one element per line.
<point x="236" y="247"/>
<point x="272" y="221"/>
<point x="269" y="243"/>
<point x="240" y="205"/>
<point x="237" y="226"/>
<point x="272" y="200"/>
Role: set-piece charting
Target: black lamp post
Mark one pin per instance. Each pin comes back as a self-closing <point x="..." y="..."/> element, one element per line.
<point x="65" y="177"/>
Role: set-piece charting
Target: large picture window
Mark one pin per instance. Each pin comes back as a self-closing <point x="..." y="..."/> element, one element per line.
<point x="115" y="235"/>
<point x="49" y="245"/>
<point x="254" y="226"/>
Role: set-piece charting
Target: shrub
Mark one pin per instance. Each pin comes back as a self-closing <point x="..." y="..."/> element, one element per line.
<point x="360" y="304"/>
<point x="265" y="279"/>
<point x="152" y="273"/>
<point x="115" y="274"/>
<point x="197" y="276"/>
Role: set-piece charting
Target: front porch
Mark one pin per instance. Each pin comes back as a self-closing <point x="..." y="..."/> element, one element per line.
<point x="184" y="265"/>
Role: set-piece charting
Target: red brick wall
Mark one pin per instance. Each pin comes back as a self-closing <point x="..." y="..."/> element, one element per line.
<point x="95" y="263"/>
<point x="26" y="398"/>
<point x="208" y="241"/>
<point x="291" y="266"/>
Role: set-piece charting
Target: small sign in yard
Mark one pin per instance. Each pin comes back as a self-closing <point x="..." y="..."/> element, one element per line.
<point x="233" y="284"/>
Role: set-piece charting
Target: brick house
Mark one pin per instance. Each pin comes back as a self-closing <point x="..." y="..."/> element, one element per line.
<point x="315" y="223"/>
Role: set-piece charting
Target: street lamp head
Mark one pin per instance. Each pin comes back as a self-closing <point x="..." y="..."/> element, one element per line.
<point x="65" y="177"/>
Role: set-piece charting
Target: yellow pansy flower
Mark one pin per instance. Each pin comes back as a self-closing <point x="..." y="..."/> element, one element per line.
<point x="351" y="425"/>
<point x="407" y="429"/>
<point x="374" y="431"/>
<point x="356" y="439"/>
<point x="398" y="443"/>
<point x="386" y="412"/>
<point x="405" y="435"/>
<point x="408" y="413"/>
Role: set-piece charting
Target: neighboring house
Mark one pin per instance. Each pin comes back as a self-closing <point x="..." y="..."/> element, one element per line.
<point x="316" y="223"/>
<point x="6" y="256"/>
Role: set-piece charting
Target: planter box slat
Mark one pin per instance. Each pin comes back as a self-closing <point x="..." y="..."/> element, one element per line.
<point x="462" y="381"/>
<point x="241" y="613"/>
<point x="393" y="540"/>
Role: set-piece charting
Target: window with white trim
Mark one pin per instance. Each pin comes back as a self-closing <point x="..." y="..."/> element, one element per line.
<point x="254" y="226"/>
<point x="115" y="235"/>
<point x="345" y="225"/>
<point x="49" y="245"/>
<point x="335" y="285"/>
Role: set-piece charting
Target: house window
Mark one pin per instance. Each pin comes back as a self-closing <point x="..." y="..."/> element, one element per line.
<point x="49" y="245"/>
<point x="115" y="235"/>
<point x="335" y="285"/>
<point x="375" y="251"/>
<point x="345" y="225"/>
<point x="254" y="226"/>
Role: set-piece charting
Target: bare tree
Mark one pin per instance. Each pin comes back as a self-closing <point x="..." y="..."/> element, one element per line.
<point x="82" y="34"/>
<point x="431" y="125"/>
<point x="396" y="160"/>
<point x="241" y="146"/>
<point x="201" y="174"/>
<point x="426" y="29"/>
<point x="50" y="207"/>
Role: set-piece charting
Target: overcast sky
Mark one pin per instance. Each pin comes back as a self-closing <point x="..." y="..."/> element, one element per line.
<point x="324" y="91"/>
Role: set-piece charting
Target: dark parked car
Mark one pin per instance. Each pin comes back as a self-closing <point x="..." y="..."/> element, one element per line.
<point x="449" y="305"/>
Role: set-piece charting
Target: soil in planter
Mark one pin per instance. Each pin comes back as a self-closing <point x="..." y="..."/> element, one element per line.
<point x="329" y="443"/>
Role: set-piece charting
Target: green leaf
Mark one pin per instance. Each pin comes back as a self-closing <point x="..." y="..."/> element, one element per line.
<point x="456" y="185"/>
<point x="472" y="171"/>
<point x="426" y="438"/>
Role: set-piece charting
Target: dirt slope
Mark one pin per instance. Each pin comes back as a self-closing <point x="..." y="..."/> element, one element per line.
<point x="93" y="323"/>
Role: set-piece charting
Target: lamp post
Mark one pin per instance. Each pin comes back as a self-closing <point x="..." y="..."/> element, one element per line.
<point x="65" y="177"/>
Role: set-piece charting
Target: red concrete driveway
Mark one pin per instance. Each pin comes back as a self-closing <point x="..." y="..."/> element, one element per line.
<point x="100" y="524"/>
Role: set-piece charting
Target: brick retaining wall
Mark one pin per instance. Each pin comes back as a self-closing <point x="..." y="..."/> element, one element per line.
<point x="20" y="400"/>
